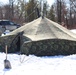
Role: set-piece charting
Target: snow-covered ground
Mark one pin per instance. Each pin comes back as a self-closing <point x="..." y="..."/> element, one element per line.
<point x="33" y="65"/>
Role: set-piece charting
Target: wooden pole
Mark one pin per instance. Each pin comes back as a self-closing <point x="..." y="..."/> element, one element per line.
<point x="6" y="51"/>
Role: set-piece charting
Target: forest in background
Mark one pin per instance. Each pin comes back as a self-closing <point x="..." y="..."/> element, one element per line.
<point x="21" y="11"/>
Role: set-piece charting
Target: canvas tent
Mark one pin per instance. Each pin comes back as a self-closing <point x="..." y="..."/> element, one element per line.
<point x="41" y="37"/>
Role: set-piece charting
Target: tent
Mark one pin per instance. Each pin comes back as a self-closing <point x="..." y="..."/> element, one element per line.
<point x="40" y="37"/>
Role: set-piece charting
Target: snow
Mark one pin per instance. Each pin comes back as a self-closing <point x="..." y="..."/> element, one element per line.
<point x="6" y="32"/>
<point x="33" y="65"/>
<point x="73" y="30"/>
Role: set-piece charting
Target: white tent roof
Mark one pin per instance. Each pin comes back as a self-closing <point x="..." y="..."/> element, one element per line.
<point x="41" y="29"/>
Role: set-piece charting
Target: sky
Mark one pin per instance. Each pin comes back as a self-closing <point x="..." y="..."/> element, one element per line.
<point x="50" y="2"/>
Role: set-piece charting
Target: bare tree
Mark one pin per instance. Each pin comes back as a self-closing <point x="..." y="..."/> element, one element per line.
<point x="11" y="6"/>
<point x="51" y="13"/>
<point x="1" y="13"/>
<point x="31" y="13"/>
<point x="59" y="10"/>
<point x="73" y="11"/>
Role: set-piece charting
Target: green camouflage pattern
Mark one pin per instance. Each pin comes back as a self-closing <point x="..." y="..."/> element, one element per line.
<point x="49" y="47"/>
<point x="6" y="41"/>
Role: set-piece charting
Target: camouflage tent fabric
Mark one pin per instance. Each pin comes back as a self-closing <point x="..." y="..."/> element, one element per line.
<point x="41" y="37"/>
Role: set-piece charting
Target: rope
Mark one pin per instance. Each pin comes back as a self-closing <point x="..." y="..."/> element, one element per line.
<point x="28" y="58"/>
<point x="20" y="52"/>
<point x="32" y="11"/>
<point x="27" y="41"/>
<point x="25" y="60"/>
<point x="30" y="14"/>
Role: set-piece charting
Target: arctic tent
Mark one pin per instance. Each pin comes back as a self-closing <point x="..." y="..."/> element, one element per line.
<point x="40" y="37"/>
